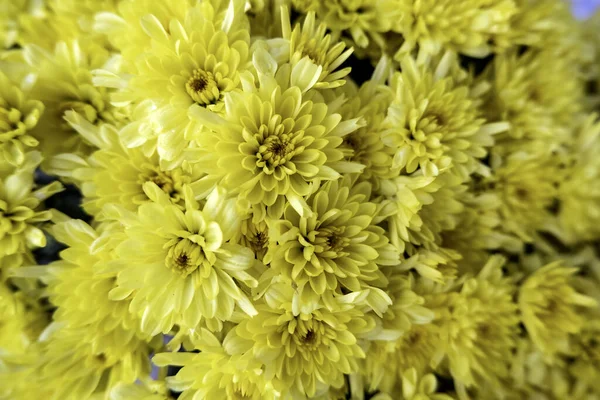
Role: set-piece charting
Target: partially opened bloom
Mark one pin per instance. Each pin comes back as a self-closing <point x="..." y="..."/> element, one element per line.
<point x="420" y="387"/>
<point x="312" y="40"/>
<point x="93" y="342"/>
<point x="337" y="247"/>
<point x="527" y="184"/>
<point x="480" y="325"/>
<point x="579" y="193"/>
<point x="214" y="374"/>
<point x="188" y="254"/>
<point x="434" y="122"/>
<point x="116" y="166"/>
<point x="18" y="116"/>
<point x="305" y="351"/>
<point x="420" y="208"/>
<point x="365" y="146"/>
<point x="68" y="368"/>
<point x="537" y="92"/>
<point x="549" y="306"/>
<point x="63" y="82"/>
<point x="473" y="27"/>
<point x="21" y="209"/>
<point x="362" y="20"/>
<point x="274" y="143"/>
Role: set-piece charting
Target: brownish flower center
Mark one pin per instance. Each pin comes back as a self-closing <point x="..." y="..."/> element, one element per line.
<point x="202" y="87"/>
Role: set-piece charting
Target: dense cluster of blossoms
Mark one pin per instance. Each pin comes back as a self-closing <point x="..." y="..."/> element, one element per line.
<point x="299" y="199"/>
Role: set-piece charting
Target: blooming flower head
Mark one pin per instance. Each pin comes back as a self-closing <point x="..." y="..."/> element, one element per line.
<point x="362" y="20"/>
<point x="274" y="142"/>
<point x="434" y="123"/>
<point x="336" y="247"/>
<point x="18" y="116"/>
<point x="479" y="230"/>
<point x="123" y="27"/>
<point x="188" y="253"/>
<point x="391" y="354"/>
<point x="419" y="208"/>
<point x="63" y="81"/>
<point x="549" y="307"/>
<point x="94" y="341"/>
<point x="116" y="166"/>
<point x="68" y="368"/>
<point x="306" y="351"/>
<point x="79" y="279"/>
<point x="192" y="61"/>
<point x="20" y="208"/>
<point x="472" y="27"/>
<point x="578" y="215"/>
<point x="527" y="183"/>
<point x="479" y="324"/>
<point x="311" y="40"/>
<point x="213" y="373"/>
<point x="536" y="92"/>
<point x="365" y="145"/>
<point x="11" y="13"/>
<point x="23" y="321"/>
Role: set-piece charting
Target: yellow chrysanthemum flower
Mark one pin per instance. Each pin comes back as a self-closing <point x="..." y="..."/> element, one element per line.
<point x="11" y="11"/>
<point x="579" y="193"/>
<point x="416" y="387"/>
<point x="362" y="20"/>
<point x="18" y="116"/>
<point x="306" y="351"/>
<point x="336" y="247"/>
<point x="434" y="122"/>
<point x="94" y="342"/>
<point x="419" y="208"/>
<point x="20" y="209"/>
<point x="274" y="143"/>
<point x="538" y="93"/>
<point x="473" y="27"/>
<point x="311" y="40"/>
<point x="479" y="230"/>
<point x="116" y="166"/>
<point x="63" y="81"/>
<point x="79" y="279"/>
<point x="385" y="358"/>
<point x="70" y="369"/>
<point x="365" y="145"/>
<point x="22" y="321"/>
<point x="214" y="374"/>
<point x="479" y="324"/>
<point x="549" y="25"/>
<point x="123" y="27"/>
<point x="194" y="61"/>
<point x="188" y="253"/>
<point x="527" y="184"/>
<point x="549" y="307"/>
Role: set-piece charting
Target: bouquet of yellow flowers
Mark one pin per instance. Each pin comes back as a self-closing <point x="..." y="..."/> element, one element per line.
<point x="299" y="199"/>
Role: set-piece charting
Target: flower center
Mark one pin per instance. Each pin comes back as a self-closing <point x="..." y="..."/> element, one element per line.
<point x="185" y="257"/>
<point x="276" y="150"/>
<point x="170" y="182"/>
<point x="331" y="240"/>
<point x="309" y="338"/>
<point x="202" y="87"/>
